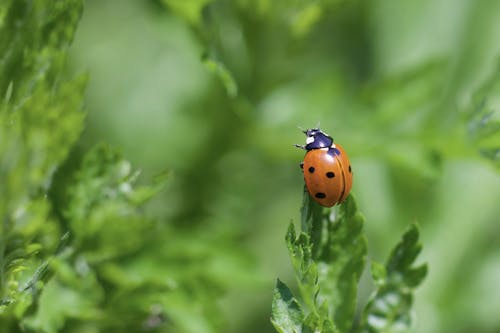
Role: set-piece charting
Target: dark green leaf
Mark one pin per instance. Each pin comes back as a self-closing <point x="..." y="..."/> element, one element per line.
<point x="312" y="221"/>
<point x="405" y="252"/>
<point x="389" y="311"/>
<point x="318" y="323"/>
<point x="389" y="308"/>
<point x="328" y="282"/>
<point x="341" y="264"/>
<point x="305" y="268"/>
<point x="414" y="277"/>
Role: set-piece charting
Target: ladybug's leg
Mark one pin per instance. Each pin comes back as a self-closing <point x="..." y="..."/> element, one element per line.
<point x="301" y="165"/>
<point x="300" y="146"/>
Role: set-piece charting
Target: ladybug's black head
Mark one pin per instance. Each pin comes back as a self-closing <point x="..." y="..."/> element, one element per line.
<point x="316" y="139"/>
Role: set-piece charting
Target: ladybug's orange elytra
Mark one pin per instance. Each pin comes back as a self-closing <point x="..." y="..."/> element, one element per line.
<point x="327" y="170"/>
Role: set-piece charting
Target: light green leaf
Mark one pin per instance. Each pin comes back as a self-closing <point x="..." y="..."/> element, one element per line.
<point x="102" y="206"/>
<point x="394" y="97"/>
<point x="71" y="303"/>
<point x="287" y="315"/>
<point x="223" y="74"/>
<point x="190" y="10"/>
<point x="379" y="274"/>
<point x="305" y="19"/>
<point x="40" y="120"/>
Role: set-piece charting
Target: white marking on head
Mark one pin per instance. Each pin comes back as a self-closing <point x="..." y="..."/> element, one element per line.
<point x="309" y="139"/>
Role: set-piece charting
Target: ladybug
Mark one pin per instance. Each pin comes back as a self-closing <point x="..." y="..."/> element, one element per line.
<point x="326" y="167"/>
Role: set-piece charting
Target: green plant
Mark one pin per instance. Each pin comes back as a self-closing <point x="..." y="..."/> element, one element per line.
<point x="78" y="251"/>
<point x="89" y="244"/>
<point x="41" y="118"/>
<point x="328" y="256"/>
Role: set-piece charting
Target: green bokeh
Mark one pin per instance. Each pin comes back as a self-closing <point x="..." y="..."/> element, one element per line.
<point x="395" y="82"/>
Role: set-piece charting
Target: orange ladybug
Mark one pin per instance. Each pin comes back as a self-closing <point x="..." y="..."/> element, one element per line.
<point x="326" y="167"/>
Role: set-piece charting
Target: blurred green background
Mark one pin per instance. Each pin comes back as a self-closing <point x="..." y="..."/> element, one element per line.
<point x="214" y="92"/>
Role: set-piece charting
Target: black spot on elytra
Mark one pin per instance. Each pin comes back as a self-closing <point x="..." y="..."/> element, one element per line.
<point x="311" y="169"/>
<point x="330" y="174"/>
<point x="350" y="168"/>
<point x="320" y="195"/>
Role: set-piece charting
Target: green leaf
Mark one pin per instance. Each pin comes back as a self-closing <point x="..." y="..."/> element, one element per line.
<point x="484" y="119"/>
<point x="328" y="278"/>
<point x="415" y="276"/>
<point x="72" y="302"/>
<point x="388" y="310"/>
<point x="396" y="98"/>
<point x="299" y="17"/>
<point x="305" y="268"/>
<point x="305" y="19"/>
<point x="223" y="74"/>
<point x="405" y="252"/>
<point x="312" y="221"/>
<point x="379" y="273"/>
<point x="287" y="315"/>
<point x="341" y="264"/>
<point x="102" y="206"/>
<point x="315" y="322"/>
<point x="402" y="257"/>
<point x="40" y="120"/>
<point x="190" y="10"/>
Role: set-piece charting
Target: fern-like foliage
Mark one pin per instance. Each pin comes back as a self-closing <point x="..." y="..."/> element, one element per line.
<point x="329" y="256"/>
<point x="79" y="253"/>
<point x="484" y="119"/>
<point x="40" y="119"/>
<point x="389" y="309"/>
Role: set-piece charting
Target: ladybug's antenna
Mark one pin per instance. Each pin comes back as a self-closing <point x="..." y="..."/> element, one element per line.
<point x="302" y="130"/>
